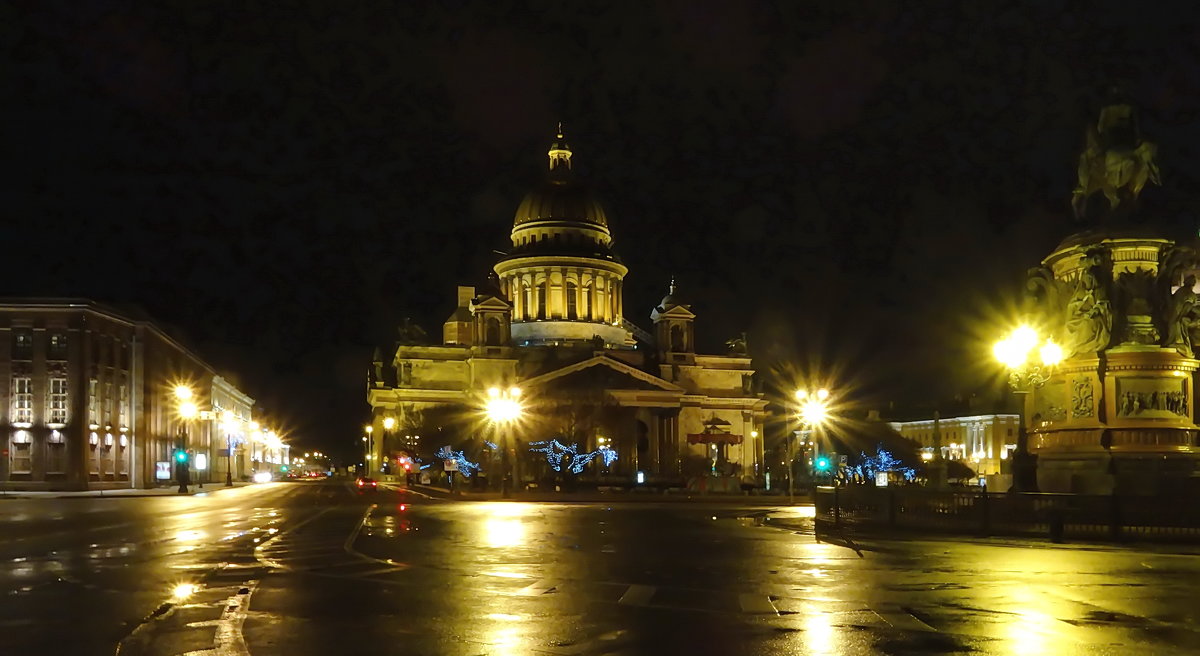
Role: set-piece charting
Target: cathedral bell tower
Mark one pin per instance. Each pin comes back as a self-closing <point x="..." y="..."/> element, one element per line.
<point x="673" y="329"/>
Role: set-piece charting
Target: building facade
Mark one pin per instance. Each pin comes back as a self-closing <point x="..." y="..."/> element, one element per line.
<point x="89" y="401"/>
<point x="981" y="442"/>
<point x="551" y="323"/>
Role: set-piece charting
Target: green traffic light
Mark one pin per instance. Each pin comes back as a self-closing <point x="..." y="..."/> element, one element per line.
<point x="181" y="456"/>
<point x="823" y="464"/>
<point x="283" y="468"/>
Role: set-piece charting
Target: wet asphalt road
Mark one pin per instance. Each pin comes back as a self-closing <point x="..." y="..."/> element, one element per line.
<point x="313" y="568"/>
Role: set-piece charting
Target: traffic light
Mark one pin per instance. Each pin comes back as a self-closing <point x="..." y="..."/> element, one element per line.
<point x="823" y="464"/>
<point x="283" y="468"/>
<point x="181" y="456"/>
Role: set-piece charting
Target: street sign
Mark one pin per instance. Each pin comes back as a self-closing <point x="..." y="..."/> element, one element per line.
<point x="842" y="460"/>
<point x="450" y="465"/>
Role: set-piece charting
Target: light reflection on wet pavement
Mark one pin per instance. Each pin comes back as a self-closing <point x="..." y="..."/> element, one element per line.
<point x="394" y="572"/>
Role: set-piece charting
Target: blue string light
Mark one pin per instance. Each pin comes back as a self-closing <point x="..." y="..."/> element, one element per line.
<point x="465" y="467"/>
<point x="559" y="455"/>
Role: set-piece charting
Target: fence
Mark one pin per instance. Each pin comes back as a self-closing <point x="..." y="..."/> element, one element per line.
<point x="860" y="508"/>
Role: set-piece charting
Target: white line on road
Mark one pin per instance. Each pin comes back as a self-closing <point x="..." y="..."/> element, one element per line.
<point x="756" y="603"/>
<point x="903" y="620"/>
<point x="637" y="595"/>
<point x="539" y="588"/>
<point x="228" y="640"/>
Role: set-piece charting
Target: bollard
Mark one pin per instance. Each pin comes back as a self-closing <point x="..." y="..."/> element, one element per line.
<point x="837" y="509"/>
<point x="1056" y="526"/>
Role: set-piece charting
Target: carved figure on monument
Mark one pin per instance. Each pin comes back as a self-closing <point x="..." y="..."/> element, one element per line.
<point x="1082" y="398"/>
<point x="1044" y="299"/>
<point x="1089" y="312"/>
<point x="1116" y="162"/>
<point x="1182" y="317"/>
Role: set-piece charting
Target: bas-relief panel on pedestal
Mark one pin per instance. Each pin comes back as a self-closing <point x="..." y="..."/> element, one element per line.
<point x="1050" y="402"/>
<point x="1152" y="397"/>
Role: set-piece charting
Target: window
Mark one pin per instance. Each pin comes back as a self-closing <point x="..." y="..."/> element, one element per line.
<point x="56" y="457"/>
<point x="572" y="291"/>
<point x="56" y="401"/>
<point x="123" y="404"/>
<point x="93" y="402"/>
<point x="22" y="344"/>
<point x="22" y="399"/>
<point x="58" y="346"/>
<point x="21" y="458"/>
<point x="541" y="300"/>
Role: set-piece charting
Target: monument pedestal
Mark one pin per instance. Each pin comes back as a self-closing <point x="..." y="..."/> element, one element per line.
<point x="1118" y="421"/>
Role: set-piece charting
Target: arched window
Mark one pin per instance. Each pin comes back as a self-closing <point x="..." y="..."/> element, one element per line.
<point x="491" y="332"/>
<point x="677" y="338"/>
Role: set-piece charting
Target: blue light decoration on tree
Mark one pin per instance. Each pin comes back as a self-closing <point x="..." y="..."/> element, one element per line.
<point x="559" y="455"/>
<point x="465" y="467"/>
<point x="883" y="461"/>
<point x="491" y="445"/>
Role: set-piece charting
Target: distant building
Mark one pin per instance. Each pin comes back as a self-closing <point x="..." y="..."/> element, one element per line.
<point x="981" y="442"/>
<point x="552" y="322"/>
<point x="89" y="401"/>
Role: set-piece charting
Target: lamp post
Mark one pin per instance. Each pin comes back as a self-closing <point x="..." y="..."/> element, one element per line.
<point x="368" y="446"/>
<point x="227" y="426"/>
<point x="503" y="407"/>
<point x="812" y="410"/>
<point x="186" y="411"/>
<point x="388" y="424"/>
<point x="1016" y="353"/>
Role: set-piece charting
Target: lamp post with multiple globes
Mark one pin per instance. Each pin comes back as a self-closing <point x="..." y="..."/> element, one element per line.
<point x="812" y="411"/>
<point x="1026" y="374"/>
<point x="502" y="409"/>
<point x="186" y="411"/>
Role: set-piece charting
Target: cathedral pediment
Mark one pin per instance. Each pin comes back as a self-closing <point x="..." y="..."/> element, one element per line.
<point x="600" y="372"/>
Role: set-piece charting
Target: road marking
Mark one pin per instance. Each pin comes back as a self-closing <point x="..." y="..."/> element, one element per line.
<point x="637" y="595"/>
<point x="756" y="603"/>
<point x="228" y="640"/>
<point x="539" y="588"/>
<point x="902" y="620"/>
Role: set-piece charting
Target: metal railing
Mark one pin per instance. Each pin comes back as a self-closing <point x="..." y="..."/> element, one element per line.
<point x="1057" y="516"/>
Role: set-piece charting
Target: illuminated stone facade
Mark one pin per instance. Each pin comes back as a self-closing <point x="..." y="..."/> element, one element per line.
<point x="552" y="323"/>
<point x="981" y="442"/>
<point x="87" y="400"/>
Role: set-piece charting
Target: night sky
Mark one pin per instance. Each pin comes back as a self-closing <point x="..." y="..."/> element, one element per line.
<point x="860" y="188"/>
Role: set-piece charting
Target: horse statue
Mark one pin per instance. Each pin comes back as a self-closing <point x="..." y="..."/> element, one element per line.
<point x="1116" y="161"/>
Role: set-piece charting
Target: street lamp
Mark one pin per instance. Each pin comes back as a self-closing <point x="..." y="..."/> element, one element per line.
<point x="1026" y="374"/>
<point x="503" y="408"/>
<point x="389" y="423"/>
<point x="186" y="411"/>
<point x="812" y="411"/>
<point x="368" y="447"/>
<point x="227" y="426"/>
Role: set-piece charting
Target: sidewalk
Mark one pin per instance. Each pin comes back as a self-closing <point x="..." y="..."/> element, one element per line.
<point x="172" y="491"/>
<point x="614" y="496"/>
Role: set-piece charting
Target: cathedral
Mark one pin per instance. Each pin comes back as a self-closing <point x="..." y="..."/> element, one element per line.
<point x="550" y="325"/>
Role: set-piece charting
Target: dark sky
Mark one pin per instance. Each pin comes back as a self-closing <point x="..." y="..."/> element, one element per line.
<point x="859" y="186"/>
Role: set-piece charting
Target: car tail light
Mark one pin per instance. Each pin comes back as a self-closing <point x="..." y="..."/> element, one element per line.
<point x="360" y="483"/>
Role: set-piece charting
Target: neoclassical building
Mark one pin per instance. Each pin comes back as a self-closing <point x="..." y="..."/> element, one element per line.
<point x="551" y="322"/>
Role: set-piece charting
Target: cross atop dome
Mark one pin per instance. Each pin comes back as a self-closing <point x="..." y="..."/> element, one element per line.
<point x="560" y="152"/>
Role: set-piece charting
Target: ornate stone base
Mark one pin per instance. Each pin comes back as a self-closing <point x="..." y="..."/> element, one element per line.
<point x="1125" y="474"/>
<point x="1141" y="439"/>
